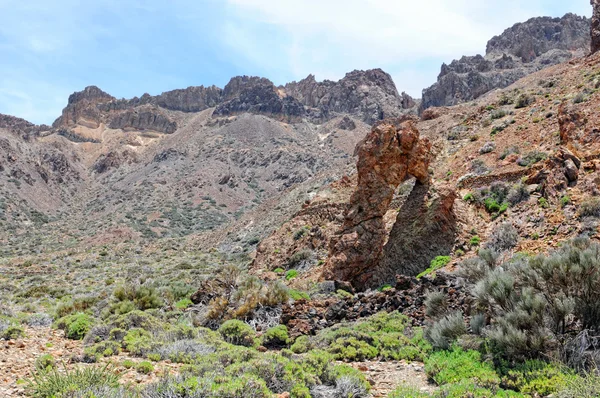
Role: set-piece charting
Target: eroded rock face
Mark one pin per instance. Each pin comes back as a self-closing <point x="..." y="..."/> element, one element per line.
<point x="386" y="157"/>
<point x="370" y="95"/>
<point x="146" y="118"/>
<point x="258" y="96"/>
<point x="82" y="108"/>
<point x="191" y="99"/>
<point x="595" y="28"/>
<point x="522" y="49"/>
<point x="20" y="126"/>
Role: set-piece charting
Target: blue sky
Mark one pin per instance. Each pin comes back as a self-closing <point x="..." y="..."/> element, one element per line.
<point x="50" y="49"/>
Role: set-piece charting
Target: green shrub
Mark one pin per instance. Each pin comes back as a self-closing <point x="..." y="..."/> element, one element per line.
<point x="543" y="202"/>
<point x="183" y="304"/>
<point x="587" y="386"/>
<point x="436" y="264"/>
<point x="350" y="348"/>
<point x="298" y="295"/>
<point x="101" y="350"/>
<point x="238" y="333"/>
<point x="75" y="326"/>
<point x="144" y="367"/>
<point x="12" y="332"/>
<point x="142" y="297"/>
<point x="565" y="201"/>
<point x="450" y="367"/>
<point x="475" y="241"/>
<point x="291" y="274"/>
<point x="536" y="377"/>
<point x="301" y="345"/>
<point x="407" y="392"/>
<point x="46" y="384"/>
<point x="45" y="362"/>
<point x="474" y="390"/>
<point x="138" y="342"/>
<point x="128" y="364"/>
<point x="276" y="337"/>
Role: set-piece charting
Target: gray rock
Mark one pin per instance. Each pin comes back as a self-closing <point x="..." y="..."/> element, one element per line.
<point x="369" y="95"/>
<point x="595" y="26"/>
<point x="522" y="49"/>
<point x="571" y="170"/>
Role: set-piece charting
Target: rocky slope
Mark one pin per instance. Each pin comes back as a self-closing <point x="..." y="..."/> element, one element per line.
<point x="180" y="163"/>
<point x="522" y="49"/>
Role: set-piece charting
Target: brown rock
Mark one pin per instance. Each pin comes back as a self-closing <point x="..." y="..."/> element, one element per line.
<point x="595" y="29"/>
<point x="388" y="156"/>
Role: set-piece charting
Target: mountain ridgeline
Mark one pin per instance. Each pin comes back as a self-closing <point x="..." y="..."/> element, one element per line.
<point x="198" y="159"/>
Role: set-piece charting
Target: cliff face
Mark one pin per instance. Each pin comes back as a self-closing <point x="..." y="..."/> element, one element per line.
<point x="370" y="95"/>
<point x="258" y="96"/>
<point x="519" y="51"/>
<point x="595" y="26"/>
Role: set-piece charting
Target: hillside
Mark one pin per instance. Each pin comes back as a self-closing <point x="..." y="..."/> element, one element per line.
<point x="316" y="239"/>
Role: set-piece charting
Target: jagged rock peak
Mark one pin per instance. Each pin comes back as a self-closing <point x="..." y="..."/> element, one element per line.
<point x="90" y="93"/>
<point x="191" y="99"/>
<point x="595" y="28"/>
<point x="528" y="40"/>
<point x="239" y="84"/>
<point x="520" y="50"/>
<point x="20" y="126"/>
<point x="258" y="96"/>
<point x="369" y="95"/>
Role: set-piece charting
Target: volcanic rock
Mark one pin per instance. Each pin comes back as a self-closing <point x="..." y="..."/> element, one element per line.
<point x="595" y="27"/>
<point x="522" y="49"/>
<point x="258" y="96"/>
<point x="369" y="95"/>
<point x="82" y="108"/>
<point x="386" y="157"/>
<point x="146" y="118"/>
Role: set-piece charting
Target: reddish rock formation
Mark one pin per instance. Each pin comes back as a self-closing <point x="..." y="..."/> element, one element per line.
<point x="386" y="157"/>
<point x="595" y="30"/>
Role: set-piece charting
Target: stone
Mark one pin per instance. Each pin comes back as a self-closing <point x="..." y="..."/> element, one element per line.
<point x="595" y="26"/>
<point x="389" y="155"/>
<point x="259" y="96"/>
<point x="368" y="95"/>
<point x="522" y="49"/>
<point x="571" y="171"/>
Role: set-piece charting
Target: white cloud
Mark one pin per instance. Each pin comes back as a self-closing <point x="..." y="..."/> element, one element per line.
<point x="331" y="37"/>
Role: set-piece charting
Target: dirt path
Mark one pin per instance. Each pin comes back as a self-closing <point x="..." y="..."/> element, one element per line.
<point x="387" y="376"/>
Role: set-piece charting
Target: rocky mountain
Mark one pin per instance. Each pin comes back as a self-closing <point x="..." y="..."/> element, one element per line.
<point x="183" y="162"/>
<point x="520" y="50"/>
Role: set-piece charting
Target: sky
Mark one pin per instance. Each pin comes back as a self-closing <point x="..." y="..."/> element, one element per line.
<point x="50" y="49"/>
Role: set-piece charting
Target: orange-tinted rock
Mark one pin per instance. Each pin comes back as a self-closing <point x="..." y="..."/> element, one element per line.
<point x="388" y="156"/>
